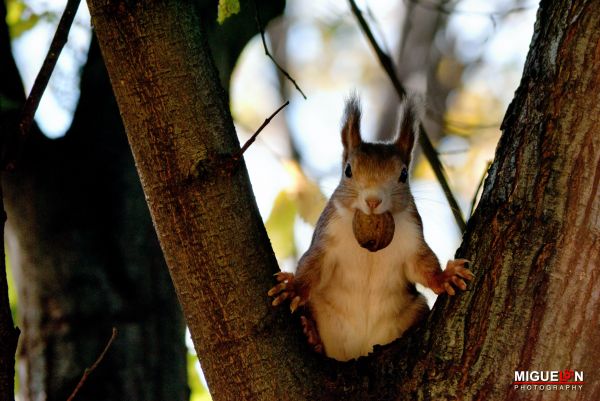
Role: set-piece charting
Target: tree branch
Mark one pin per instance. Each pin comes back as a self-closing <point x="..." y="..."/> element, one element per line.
<point x="253" y="137"/>
<point x="428" y="148"/>
<point x="268" y="54"/>
<point x="89" y="370"/>
<point x="41" y="81"/>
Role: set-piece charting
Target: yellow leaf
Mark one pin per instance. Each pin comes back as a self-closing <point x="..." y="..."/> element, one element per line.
<point x="308" y="195"/>
<point x="227" y="8"/>
<point x="280" y="225"/>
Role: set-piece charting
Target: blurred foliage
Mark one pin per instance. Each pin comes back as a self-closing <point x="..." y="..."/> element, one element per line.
<point x="12" y="299"/>
<point x="227" y="8"/>
<point x="21" y="18"/>
<point x="302" y="199"/>
<point x="308" y="195"/>
<point x="12" y="292"/>
<point x="197" y="390"/>
<point x="280" y="225"/>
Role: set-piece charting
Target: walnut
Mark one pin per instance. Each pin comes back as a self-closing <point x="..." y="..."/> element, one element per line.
<point x="373" y="231"/>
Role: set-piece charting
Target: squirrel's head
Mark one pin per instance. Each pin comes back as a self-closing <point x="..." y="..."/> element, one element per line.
<point x="375" y="175"/>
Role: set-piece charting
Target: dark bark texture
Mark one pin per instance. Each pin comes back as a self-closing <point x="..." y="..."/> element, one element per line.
<point x="86" y="258"/>
<point x="533" y="239"/>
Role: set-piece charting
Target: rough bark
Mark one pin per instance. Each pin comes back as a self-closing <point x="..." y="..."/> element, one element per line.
<point x="182" y="137"/>
<point x="533" y="242"/>
<point x="534" y="236"/>
<point x="533" y="239"/>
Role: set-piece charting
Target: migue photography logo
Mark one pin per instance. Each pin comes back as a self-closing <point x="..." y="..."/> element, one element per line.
<point x="548" y="380"/>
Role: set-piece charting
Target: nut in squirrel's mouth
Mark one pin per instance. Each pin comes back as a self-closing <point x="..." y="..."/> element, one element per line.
<point x="373" y="231"/>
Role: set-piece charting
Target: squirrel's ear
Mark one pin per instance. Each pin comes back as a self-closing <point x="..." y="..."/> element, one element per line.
<point x="408" y="126"/>
<point x="351" y="129"/>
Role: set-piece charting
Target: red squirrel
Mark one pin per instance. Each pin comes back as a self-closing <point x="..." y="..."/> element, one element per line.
<point x="355" y="298"/>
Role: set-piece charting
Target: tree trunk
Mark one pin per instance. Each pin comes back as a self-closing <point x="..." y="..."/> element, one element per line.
<point x="215" y="244"/>
<point x="84" y="226"/>
<point x="534" y="237"/>
<point x="86" y="258"/>
<point x="532" y="240"/>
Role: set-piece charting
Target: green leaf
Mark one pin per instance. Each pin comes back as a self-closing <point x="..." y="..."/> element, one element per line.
<point x="197" y="389"/>
<point x="308" y="196"/>
<point x="12" y="291"/>
<point x="20" y="18"/>
<point x="227" y="8"/>
<point x="280" y="225"/>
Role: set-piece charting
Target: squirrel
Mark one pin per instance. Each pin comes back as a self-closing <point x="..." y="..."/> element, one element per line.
<point x="355" y="298"/>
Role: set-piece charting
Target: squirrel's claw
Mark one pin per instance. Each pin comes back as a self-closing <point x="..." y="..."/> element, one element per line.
<point x="453" y="276"/>
<point x="276" y="289"/>
<point x="280" y="298"/>
<point x="286" y="289"/>
<point x="309" y="328"/>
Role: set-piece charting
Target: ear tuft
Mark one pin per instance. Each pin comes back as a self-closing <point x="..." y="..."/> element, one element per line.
<point x="409" y="126"/>
<point x="351" y="124"/>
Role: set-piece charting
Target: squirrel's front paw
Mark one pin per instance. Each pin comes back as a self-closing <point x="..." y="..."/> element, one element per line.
<point x="287" y="289"/>
<point x="454" y="275"/>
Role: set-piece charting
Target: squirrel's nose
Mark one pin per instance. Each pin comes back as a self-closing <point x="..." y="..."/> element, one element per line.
<point x="373" y="203"/>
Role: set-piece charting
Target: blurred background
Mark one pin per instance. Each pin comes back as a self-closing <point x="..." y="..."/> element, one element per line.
<point x="462" y="58"/>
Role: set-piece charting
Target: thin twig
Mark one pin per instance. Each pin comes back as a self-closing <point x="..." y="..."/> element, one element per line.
<point x="428" y="148"/>
<point x="479" y="186"/>
<point x="250" y="141"/>
<point x="89" y="370"/>
<point x="378" y="29"/>
<point x="268" y="54"/>
<point x="41" y="81"/>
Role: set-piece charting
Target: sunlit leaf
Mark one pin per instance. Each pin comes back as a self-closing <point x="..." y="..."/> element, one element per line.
<point x="308" y="195"/>
<point x="227" y="8"/>
<point x="20" y="18"/>
<point x="197" y="390"/>
<point x="12" y="291"/>
<point x="12" y="299"/>
<point x="280" y="225"/>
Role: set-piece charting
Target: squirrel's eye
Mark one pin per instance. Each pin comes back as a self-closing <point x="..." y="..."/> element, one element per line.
<point x="348" y="171"/>
<point x="403" y="175"/>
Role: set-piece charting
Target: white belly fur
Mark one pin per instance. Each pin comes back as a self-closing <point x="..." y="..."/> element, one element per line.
<point x="364" y="298"/>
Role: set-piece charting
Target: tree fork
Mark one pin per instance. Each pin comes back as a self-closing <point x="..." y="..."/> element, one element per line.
<point x="533" y="305"/>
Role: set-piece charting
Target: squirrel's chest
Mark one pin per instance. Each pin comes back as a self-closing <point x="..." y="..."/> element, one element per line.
<point x="354" y="268"/>
<point x="362" y="295"/>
